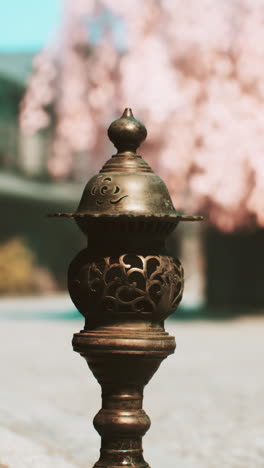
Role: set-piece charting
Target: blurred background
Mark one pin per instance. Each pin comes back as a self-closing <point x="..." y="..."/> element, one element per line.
<point x="193" y="73"/>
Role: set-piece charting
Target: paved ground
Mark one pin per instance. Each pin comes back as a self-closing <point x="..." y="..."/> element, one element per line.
<point x="206" y="402"/>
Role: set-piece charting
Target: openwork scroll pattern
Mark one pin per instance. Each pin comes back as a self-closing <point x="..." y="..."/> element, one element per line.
<point x="133" y="283"/>
<point x="106" y="191"/>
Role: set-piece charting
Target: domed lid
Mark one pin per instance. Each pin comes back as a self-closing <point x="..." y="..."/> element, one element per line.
<point x="126" y="185"/>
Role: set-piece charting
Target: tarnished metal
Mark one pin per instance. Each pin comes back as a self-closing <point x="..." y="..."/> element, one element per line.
<point x="125" y="285"/>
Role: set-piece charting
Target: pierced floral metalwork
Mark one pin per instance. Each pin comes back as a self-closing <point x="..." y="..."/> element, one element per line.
<point x="146" y="285"/>
<point x="106" y="191"/>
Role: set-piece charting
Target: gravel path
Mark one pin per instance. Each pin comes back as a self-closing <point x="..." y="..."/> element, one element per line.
<point x="206" y="402"/>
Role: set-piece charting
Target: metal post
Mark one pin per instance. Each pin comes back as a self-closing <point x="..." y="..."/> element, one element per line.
<point x="125" y="285"/>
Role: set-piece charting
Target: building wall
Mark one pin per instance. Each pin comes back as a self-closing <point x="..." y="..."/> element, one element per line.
<point x="53" y="241"/>
<point x="235" y="268"/>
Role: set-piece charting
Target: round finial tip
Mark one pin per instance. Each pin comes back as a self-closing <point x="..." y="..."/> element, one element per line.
<point x="127" y="133"/>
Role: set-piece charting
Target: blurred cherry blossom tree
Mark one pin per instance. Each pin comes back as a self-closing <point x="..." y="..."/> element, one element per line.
<point x="192" y="72"/>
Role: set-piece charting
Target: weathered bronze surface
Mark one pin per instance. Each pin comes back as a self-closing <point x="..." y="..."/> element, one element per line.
<point x="125" y="285"/>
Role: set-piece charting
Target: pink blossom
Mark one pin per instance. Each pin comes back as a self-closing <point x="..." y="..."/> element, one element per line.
<point x="192" y="71"/>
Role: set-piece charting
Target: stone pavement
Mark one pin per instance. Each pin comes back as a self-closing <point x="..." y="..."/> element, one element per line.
<point x="206" y="401"/>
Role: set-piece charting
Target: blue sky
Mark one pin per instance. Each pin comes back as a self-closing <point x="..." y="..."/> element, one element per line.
<point x="26" y="25"/>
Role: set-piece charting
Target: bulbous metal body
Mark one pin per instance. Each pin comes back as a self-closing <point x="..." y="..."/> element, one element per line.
<point x="125" y="284"/>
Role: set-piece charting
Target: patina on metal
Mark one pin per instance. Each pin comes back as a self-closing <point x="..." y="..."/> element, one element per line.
<point x="125" y="285"/>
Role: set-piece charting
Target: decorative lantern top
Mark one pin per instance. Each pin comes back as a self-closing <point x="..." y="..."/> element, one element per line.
<point x="125" y="284"/>
<point x="126" y="186"/>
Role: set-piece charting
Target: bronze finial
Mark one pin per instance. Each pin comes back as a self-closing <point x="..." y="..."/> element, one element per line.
<point x="127" y="133"/>
<point x="125" y="285"/>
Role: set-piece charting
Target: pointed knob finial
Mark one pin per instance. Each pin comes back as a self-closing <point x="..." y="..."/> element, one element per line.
<point x="127" y="133"/>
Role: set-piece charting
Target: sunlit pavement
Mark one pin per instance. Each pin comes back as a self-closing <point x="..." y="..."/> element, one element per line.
<point x="206" y="401"/>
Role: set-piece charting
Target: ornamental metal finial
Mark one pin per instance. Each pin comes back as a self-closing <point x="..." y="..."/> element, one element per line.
<point x="125" y="285"/>
<point x="127" y="133"/>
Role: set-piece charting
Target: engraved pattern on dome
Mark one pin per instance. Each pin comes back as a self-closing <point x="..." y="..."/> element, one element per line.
<point x="106" y="191"/>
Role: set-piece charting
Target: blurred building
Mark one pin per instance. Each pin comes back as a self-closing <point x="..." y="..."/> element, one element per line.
<point x="27" y="194"/>
<point x="222" y="270"/>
